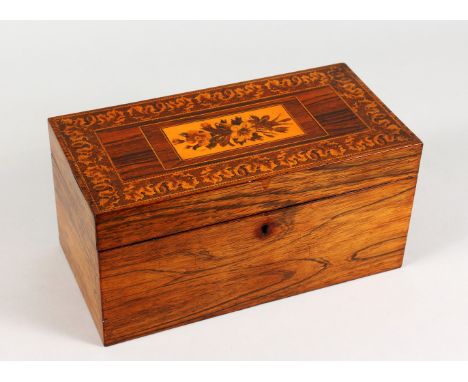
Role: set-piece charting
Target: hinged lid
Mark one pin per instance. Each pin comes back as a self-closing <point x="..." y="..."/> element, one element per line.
<point x="142" y="153"/>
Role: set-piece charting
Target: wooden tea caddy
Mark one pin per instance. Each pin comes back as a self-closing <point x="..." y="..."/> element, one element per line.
<point x="181" y="208"/>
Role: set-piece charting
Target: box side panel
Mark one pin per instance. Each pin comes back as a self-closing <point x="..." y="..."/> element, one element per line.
<point x="175" y="215"/>
<point x="77" y="232"/>
<point x="183" y="278"/>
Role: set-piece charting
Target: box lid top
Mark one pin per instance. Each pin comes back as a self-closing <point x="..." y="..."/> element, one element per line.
<point x="142" y="152"/>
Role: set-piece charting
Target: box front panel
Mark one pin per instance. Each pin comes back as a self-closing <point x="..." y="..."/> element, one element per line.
<point x="164" y="283"/>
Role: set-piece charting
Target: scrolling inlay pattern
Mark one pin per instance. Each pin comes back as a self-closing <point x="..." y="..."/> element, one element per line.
<point x="98" y="179"/>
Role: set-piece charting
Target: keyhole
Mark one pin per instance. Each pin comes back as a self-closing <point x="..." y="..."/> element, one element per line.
<point x="265" y="229"/>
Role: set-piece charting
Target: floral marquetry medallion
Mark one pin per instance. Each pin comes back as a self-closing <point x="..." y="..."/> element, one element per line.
<point x="229" y="132"/>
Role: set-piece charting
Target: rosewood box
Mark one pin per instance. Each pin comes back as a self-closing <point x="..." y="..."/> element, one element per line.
<point x="185" y="207"/>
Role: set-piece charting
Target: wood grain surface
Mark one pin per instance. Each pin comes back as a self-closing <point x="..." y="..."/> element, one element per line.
<point x="77" y="233"/>
<point x="159" y="284"/>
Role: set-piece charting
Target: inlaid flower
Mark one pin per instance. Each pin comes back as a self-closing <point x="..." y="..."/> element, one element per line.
<point x="195" y="138"/>
<point x="242" y="133"/>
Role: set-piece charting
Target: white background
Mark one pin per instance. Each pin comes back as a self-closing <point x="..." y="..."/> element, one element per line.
<point x="419" y="69"/>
